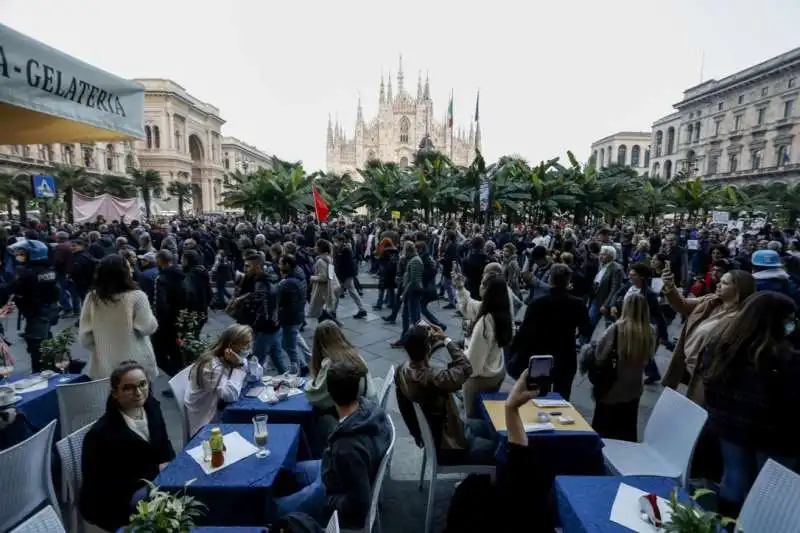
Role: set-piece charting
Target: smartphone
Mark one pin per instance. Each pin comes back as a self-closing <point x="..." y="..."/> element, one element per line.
<point x="539" y="367"/>
<point x="423" y="323"/>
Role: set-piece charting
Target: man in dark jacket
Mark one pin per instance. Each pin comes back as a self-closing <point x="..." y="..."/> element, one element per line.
<point x="291" y="293"/>
<point x="345" y="266"/>
<point x="342" y="480"/>
<point x="83" y="266"/>
<point x="168" y="300"/>
<point x="474" y="265"/>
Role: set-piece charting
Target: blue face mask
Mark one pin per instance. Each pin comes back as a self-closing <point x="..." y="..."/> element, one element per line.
<point x="789" y="328"/>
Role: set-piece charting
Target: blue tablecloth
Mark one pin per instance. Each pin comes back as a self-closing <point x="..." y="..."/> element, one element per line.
<point x="294" y="410"/>
<point x="221" y="529"/>
<point x="584" y="502"/>
<point x="240" y="494"/>
<point x="35" y="410"/>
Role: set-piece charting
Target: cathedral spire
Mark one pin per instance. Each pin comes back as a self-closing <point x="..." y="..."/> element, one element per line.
<point x="471" y="134"/>
<point x="359" y="112"/>
<point x="336" y="131"/>
<point x="477" y="136"/>
<point x="389" y="96"/>
<point x="382" y="97"/>
<point x="330" y="132"/>
<point x="419" y="86"/>
<point x="427" y="93"/>
<point x="400" y="77"/>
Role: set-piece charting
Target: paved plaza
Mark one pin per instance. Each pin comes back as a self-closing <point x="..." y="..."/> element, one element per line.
<point x="402" y="502"/>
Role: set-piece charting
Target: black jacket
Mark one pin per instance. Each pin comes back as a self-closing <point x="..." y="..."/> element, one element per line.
<point x="115" y="460"/>
<point x="473" y="270"/>
<point x="344" y="263"/>
<point x="656" y="317"/>
<point x="197" y="285"/>
<point x="169" y="296"/>
<point x="82" y="274"/>
<point x="351" y="460"/>
<point x="291" y="293"/>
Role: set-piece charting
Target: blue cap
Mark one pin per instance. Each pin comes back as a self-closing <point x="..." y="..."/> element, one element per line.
<point x="766" y="258"/>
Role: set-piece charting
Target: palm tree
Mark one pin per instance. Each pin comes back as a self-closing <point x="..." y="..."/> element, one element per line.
<point x="68" y="180"/>
<point x="150" y="185"/>
<point x="386" y="188"/>
<point x="182" y="192"/>
<point x="18" y="188"/>
<point x="114" y="185"/>
<point x="693" y="196"/>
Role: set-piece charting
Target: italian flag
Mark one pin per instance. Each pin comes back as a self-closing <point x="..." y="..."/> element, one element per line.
<point x="450" y="113"/>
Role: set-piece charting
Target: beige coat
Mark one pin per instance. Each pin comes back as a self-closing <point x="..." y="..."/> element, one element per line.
<point x="322" y="296"/>
<point x="628" y="385"/>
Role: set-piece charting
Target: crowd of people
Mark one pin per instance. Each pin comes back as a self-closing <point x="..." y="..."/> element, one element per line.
<point x="734" y="292"/>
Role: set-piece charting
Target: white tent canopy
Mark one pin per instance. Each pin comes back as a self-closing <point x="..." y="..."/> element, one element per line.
<point x="47" y="96"/>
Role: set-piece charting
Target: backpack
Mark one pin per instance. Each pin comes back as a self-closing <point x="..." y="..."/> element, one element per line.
<point x="333" y="281"/>
<point x="428" y="270"/>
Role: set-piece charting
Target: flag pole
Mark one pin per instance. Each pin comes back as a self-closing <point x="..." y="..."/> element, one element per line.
<point x="452" y="124"/>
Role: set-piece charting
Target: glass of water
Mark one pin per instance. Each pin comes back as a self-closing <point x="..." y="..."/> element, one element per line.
<point x="261" y="435"/>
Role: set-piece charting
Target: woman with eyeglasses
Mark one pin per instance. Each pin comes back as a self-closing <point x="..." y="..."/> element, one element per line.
<point x="127" y="445"/>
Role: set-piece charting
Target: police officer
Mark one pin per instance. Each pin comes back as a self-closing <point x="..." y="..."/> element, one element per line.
<point x="36" y="294"/>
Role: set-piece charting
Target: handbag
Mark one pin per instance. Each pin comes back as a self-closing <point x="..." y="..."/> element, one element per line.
<point x="602" y="374"/>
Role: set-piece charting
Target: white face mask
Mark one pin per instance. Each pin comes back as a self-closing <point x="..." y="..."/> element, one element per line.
<point x="789" y="328"/>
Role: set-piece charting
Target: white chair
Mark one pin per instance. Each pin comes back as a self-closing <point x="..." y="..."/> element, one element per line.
<point x="45" y="521"/>
<point x="377" y="485"/>
<point x="670" y="437"/>
<point x="26" y="481"/>
<point x="70" y="449"/>
<point x="429" y="457"/>
<point x="81" y="403"/>
<point x="179" y="384"/>
<point x="771" y="504"/>
<point x="383" y="395"/>
<point x="333" y="523"/>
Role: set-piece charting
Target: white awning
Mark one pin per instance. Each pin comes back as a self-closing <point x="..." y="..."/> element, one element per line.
<point x="47" y="96"/>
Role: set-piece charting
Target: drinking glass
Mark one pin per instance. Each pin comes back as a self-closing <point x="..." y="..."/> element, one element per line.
<point x="261" y="435"/>
<point x="6" y="368"/>
<point x="61" y="362"/>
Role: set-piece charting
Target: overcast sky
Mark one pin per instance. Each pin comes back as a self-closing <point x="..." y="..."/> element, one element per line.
<point x="553" y="76"/>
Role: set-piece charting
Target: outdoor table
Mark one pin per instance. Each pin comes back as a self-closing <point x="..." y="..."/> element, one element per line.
<point x="35" y="410"/>
<point x="294" y="410"/>
<point x="584" y="502"/>
<point x="220" y="529"/>
<point x="239" y="494"/>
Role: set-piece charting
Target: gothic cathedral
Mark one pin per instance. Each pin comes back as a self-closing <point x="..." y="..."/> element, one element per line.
<point x="398" y="131"/>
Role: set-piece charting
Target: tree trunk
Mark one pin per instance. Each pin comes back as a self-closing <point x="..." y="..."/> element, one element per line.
<point x="180" y="206"/>
<point x="146" y="200"/>
<point x="22" y="206"/>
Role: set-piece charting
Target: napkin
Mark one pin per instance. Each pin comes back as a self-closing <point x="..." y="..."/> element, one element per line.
<point x="544" y="402"/>
<point x="30" y="385"/>
<point x="626" y="510"/>
<point x="236" y="449"/>
<point x="538" y="426"/>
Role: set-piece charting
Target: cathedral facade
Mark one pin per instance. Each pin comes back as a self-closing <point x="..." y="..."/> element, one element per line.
<point x="397" y="132"/>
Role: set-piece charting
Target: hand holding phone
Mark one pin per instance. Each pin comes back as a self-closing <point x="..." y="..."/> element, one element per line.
<point x="539" y="367"/>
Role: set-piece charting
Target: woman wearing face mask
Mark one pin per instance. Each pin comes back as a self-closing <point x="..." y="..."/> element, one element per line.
<point x="127" y="445"/>
<point x="218" y="375"/>
<point x="751" y="374"/>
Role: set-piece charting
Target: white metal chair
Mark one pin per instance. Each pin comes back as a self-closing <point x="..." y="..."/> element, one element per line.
<point x="45" y="521"/>
<point x="81" y="403"/>
<point x="26" y="481"/>
<point x="429" y="457"/>
<point x="377" y="485"/>
<point x="383" y="395"/>
<point x="771" y="504"/>
<point x="333" y="523"/>
<point x="179" y="384"/>
<point x="70" y="449"/>
<point x="669" y="441"/>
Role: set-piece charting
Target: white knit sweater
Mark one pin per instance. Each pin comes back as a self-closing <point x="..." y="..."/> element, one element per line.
<point x="483" y="352"/>
<point x="117" y="332"/>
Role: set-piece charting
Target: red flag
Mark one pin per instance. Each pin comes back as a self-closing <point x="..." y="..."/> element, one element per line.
<point x="320" y="207"/>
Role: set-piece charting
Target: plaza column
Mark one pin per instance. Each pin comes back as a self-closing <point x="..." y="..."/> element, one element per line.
<point x="171" y="126"/>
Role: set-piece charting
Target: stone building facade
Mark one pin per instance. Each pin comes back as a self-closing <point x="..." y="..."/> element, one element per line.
<point x="739" y="129"/>
<point x="95" y="158"/>
<point x="630" y="148"/>
<point x="238" y="155"/>
<point x="398" y="130"/>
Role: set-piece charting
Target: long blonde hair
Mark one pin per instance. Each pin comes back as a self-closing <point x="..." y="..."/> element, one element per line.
<point x="235" y="336"/>
<point x="330" y="343"/>
<point x="635" y="339"/>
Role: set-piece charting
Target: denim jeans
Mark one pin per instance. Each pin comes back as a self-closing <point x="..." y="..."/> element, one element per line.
<point x="348" y="285"/>
<point x="740" y="466"/>
<point x="385" y="296"/>
<point x="311" y="498"/>
<point x="411" y="312"/>
<point x="292" y="342"/>
<point x="269" y="344"/>
<point x="222" y="290"/>
<point x="68" y="299"/>
<point x="424" y="311"/>
<point x="447" y="283"/>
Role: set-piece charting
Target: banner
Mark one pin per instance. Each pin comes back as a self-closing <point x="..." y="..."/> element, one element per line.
<point x="484" y="193"/>
<point x="86" y="208"/>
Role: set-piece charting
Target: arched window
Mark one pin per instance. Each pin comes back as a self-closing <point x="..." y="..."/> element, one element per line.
<point x="227" y="163"/>
<point x="403" y="162"/>
<point x="647" y="158"/>
<point x="68" y="155"/>
<point x="610" y="156"/>
<point x="109" y="157"/>
<point x="783" y="156"/>
<point x="129" y="162"/>
<point x="26" y="151"/>
<point x="149" y="136"/>
<point x="659" y="141"/>
<point x="177" y="140"/>
<point x="656" y="170"/>
<point x="733" y="163"/>
<point x="667" y="169"/>
<point x="405" y="125"/>
<point x="690" y="130"/>
<point x="622" y="154"/>
<point x="156" y="137"/>
<point x="51" y="154"/>
<point x="671" y="140"/>
<point x="602" y="161"/>
<point x="87" y="156"/>
<point x="635" y="152"/>
<point x="370" y="155"/>
<point x="755" y="159"/>
<point x="43" y="152"/>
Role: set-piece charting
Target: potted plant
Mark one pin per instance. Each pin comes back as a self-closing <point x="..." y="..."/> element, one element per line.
<point x="691" y="518"/>
<point x="162" y="512"/>
<point x="57" y="345"/>
<point x="192" y="343"/>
